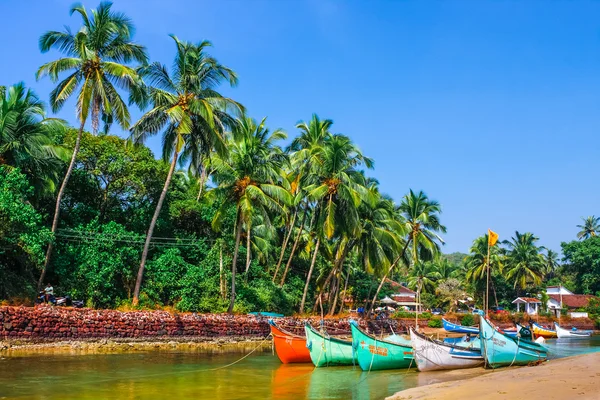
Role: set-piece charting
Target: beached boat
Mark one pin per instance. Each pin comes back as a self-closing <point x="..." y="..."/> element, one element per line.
<point x="432" y="355"/>
<point x="290" y="348"/>
<point x="376" y="354"/>
<point x="455" y="328"/>
<point x="573" y="333"/>
<point x="539" y="330"/>
<point x="327" y="351"/>
<point x="501" y="350"/>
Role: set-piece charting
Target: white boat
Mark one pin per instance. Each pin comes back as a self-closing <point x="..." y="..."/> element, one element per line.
<point x="572" y="333"/>
<point x="434" y="355"/>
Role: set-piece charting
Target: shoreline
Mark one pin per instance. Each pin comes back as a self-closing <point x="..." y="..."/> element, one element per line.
<point x="233" y="344"/>
<point x="570" y="377"/>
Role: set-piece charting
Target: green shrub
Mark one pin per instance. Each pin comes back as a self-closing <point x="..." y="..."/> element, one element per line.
<point x="403" y="314"/>
<point x="435" y="323"/>
<point x="468" y="320"/>
<point x="425" y="315"/>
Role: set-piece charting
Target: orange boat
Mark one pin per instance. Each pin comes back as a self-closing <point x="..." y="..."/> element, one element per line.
<point x="290" y="348"/>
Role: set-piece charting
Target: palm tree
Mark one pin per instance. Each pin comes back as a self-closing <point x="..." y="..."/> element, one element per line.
<point x="551" y="262"/>
<point x="27" y="137"/>
<point x="95" y="58"/>
<point x="590" y="227"/>
<point x="423" y="277"/>
<point x="248" y="178"/>
<point x="192" y="113"/>
<point x="524" y="261"/>
<point x="338" y="191"/>
<point x="306" y="153"/>
<point x="476" y="263"/>
<point x="422" y="224"/>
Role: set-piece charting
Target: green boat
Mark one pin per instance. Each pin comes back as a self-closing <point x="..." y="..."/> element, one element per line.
<point x="502" y="350"/>
<point x="326" y="351"/>
<point x="375" y="354"/>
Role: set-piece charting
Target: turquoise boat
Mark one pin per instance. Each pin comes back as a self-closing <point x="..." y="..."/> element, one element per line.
<point x="502" y="350"/>
<point x="375" y="354"/>
<point x="327" y="351"/>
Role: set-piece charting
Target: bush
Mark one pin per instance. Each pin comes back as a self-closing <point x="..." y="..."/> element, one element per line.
<point x="403" y="314"/>
<point x="468" y="320"/>
<point x="435" y="323"/>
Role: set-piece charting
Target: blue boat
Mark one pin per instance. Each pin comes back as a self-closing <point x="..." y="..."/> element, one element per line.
<point x="502" y="350"/>
<point x="455" y="328"/>
<point x="266" y="314"/>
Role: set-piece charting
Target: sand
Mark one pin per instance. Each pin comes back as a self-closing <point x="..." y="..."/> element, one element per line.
<point x="567" y="378"/>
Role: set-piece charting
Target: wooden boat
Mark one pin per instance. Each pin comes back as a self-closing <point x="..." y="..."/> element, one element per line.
<point x="290" y="348"/>
<point x="434" y="355"/>
<point x="571" y="333"/>
<point x="501" y="350"/>
<point x="328" y="351"/>
<point x="455" y="328"/>
<point x="539" y="330"/>
<point x="376" y="354"/>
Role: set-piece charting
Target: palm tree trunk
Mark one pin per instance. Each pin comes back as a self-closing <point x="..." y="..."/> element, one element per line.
<point x="248" y="249"/>
<point x="222" y="284"/>
<point x="202" y="181"/>
<point x="61" y="192"/>
<point x="310" y="271"/>
<point x="336" y="293"/>
<point x="384" y="278"/>
<point x="344" y="292"/>
<point x="294" y="246"/>
<point x="284" y="244"/>
<point x="238" y="236"/>
<point x="161" y="199"/>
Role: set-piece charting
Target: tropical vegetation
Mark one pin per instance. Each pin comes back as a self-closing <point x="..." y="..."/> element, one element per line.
<point x="229" y="218"/>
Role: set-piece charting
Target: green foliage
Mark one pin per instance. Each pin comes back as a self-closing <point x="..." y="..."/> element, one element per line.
<point x="22" y="237"/>
<point x="582" y="258"/>
<point x="435" y="323"/>
<point x="467" y="320"/>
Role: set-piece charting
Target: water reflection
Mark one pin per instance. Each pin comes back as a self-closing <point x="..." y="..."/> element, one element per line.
<point x="194" y="375"/>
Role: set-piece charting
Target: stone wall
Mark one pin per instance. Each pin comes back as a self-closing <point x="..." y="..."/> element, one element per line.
<point x="52" y="323"/>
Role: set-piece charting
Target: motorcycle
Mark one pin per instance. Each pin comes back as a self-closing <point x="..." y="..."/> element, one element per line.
<point x="59" y="301"/>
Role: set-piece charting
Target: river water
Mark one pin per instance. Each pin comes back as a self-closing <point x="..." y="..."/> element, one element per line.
<point x="197" y="375"/>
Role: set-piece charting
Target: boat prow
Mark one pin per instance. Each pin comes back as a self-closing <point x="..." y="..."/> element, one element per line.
<point x="376" y="354"/>
<point x="434" y="355"/>
<point x="290" y="348"/>
<point x="572" y="334"/>
<point x="501" y="350"/>
<point x="539" y="330"/>
<point x="327" y="351"/>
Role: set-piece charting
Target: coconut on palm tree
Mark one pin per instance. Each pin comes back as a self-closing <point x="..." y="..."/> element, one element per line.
<point x="248" y="177"/>
<point x="27" y="137"/>
<point x="589" y="228"/>
<point x="95" y="61"/>
<point x="188" y="110"/>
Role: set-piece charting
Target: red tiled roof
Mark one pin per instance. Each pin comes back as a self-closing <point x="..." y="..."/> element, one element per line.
<point x="573" y="300"/>
<point x="403" y="299"/>
<point x="528" y="299"/>
<point x="400" y="288"/>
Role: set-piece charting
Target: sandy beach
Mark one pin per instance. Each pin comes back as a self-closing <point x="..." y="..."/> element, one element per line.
<point x="568" y="378"/>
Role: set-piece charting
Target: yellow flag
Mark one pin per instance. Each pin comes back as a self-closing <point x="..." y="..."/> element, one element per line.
<point x="492" y="237"/>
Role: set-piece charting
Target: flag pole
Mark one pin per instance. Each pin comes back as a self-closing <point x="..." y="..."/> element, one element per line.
<point x="487" y="286"/>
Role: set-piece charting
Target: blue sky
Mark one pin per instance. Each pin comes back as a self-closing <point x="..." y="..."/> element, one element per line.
<point x="492" y="108"/>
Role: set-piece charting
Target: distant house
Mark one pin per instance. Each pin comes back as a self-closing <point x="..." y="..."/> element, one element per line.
<point x="531" y="305"/>
<point x="402" y="295"/>
<point x="560" y="297"/>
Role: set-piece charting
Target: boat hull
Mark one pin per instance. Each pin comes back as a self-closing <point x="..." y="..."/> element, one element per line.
<point x="327" y="351"/>
<point x="289" y="348"/>
<point x="455" y="328"/>
<point x="373" y="354"/>
<point x="501" y="350"/>
<point x="432" y="355"/>
<point x="543" y="332"/>
<point x="563" y="333"/>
